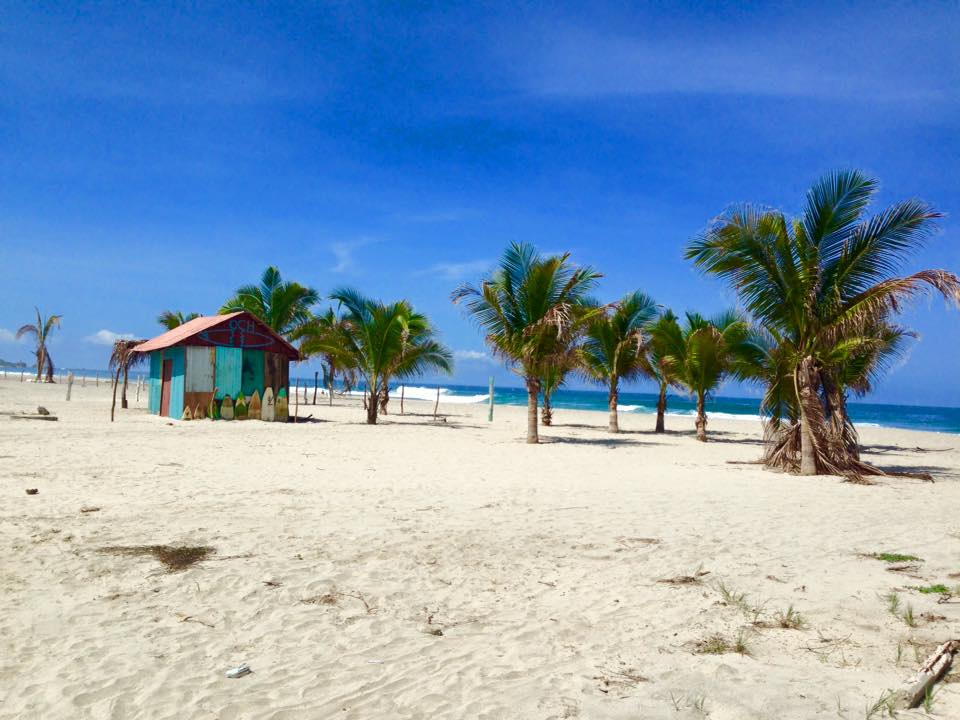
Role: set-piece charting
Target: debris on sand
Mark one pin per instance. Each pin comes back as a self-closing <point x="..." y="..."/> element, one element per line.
<point x="173" y="557"/>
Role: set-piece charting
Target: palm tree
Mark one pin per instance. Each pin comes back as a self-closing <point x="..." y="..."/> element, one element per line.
<point x="41" y="331"/>
<point x="325" y="336"/>
<point x="122" y="358"/>
<point x="614" y="347"/>
<point x="175" y="318"/>
<point x="822" y="286"/>
<point x="283" y="306"/>
<point x="663" y="333"/>
<point x="384" y="340"/>
<point x="704" y="353"/>
<point x="528" y="309"/>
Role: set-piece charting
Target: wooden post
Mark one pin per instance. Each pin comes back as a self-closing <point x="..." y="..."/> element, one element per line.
<point x="296" y="402"/>
<point x="139" y="383"/>
<point x="402" y="388"/>
<point x="21" y="376"/>
<point x="316" y="380"/>
<point x="490" y="412"/>
<point x="69" y="385"/>
<point x="98" y="379"/>
<point x="436" y="404"/>
<point x="83" y="380"/>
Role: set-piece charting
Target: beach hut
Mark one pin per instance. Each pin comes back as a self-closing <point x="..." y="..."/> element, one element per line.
<point x="201" y="362"/>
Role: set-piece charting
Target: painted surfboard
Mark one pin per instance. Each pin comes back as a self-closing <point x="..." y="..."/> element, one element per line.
<point x="253" y="409"/>
<point x="212" y="409"/>
<point x="187" y="415"/>
<point x="268" y="409"/>
<point x="282" y="412"/>
<point x="240" y="407"/>
<point x="198" y="412"/>
<point x="226" y="408"/>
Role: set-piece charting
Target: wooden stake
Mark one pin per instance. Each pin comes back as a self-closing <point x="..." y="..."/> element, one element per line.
<point x="296" y="401"/>
<point x="436" y="404"/>
<point x="316" y="376"/>
<point x="402" y="388"/>
<point x="69" y="385"/>
<point x="116" y="381"/>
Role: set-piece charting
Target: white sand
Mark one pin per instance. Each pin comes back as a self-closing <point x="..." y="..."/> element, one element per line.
<point x="533" y="561"/>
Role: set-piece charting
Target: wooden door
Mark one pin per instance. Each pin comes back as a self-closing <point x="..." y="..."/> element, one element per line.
<point x="165" y="392"/>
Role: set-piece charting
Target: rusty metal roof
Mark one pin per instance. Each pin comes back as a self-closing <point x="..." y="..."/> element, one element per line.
<point x="182" y="334"/>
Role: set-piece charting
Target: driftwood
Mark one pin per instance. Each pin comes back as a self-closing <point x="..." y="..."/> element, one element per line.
<point x="933" y="668"/>
<point x="33" y="417"/>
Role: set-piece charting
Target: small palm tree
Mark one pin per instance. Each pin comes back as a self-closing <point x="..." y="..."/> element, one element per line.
<point x="821" y="285"/>
<point x="664" y="332"/>
<point x="41" y="330"/>
<point x="283" y="306"/>
<point x="528" y="309"/>
<point x="325" y="336"/>
<point x="704" y="353"/>
<point x="555" y="374"/>
<point x="175" y="318"/>
<point x="384" y="340"/>
<point x="122" y="358"/>
<point x="614" y="348"/>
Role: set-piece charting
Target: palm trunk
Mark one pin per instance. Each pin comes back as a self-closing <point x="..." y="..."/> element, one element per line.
<point x="533" y="396"/>
<point x="384" y="399"/>
<point x="372" y="405"/>
<point x="546" y="415"/>
<point x="123" y="395"/>
<point x="808" y="395"/>
<point x="701" y="418"/>
<point x="614" y="425"/>
<point x="330" y="384"/>
<point x="41" y="361"/>
<point x="661" y="407"/>
<point x="113" y="406"/>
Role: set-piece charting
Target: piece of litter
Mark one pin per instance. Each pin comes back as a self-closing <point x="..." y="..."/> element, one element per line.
<point x="239" y="671"/>
<point x="32" y="491"/>
<point x="375" y="662"/>
<point x="89" y="509"/>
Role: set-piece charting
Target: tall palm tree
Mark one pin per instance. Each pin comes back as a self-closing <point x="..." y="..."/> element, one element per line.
<point x="325" y="336"/>
<point x="282" y="305"/>
<point x="384" y="340"/>
<point x="614" y="346"/>
<point x="529" y="309"/>
<point x="822" y="283"/>
<point x="175" y="318"/>
<point x="663" y="332"/>
<point x="41" y="331"/>
<point x="704" y="353"/>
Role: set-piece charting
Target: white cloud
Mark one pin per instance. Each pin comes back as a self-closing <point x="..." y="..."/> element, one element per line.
<point x="107" y="337"/>
<point x="8" y="336"/>
<point x="473" y="356"/>
<point x="343" y="251"/>
<point x="458" y="270"/>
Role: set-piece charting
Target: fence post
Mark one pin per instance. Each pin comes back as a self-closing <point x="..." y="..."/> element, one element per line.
<point x="69" y="385"/>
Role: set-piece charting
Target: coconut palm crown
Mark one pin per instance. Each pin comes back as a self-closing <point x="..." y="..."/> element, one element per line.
<point x="528" y="308"/>
<point x="822" y="286"/>
<point x="280" y="304"/>
<point x="171" y="319"/>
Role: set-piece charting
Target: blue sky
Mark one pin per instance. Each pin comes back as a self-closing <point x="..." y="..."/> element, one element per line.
<point x="157" y="156"/>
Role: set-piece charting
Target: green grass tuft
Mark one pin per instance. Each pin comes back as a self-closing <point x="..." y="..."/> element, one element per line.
<point x="938" y="589"/>
<point x="895" y="557"/>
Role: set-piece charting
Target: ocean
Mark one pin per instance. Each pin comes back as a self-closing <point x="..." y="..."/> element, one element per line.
<point x="911" y="417"/>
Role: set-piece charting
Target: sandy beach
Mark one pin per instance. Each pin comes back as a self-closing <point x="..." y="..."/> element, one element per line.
<point x="448" y="570"/>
